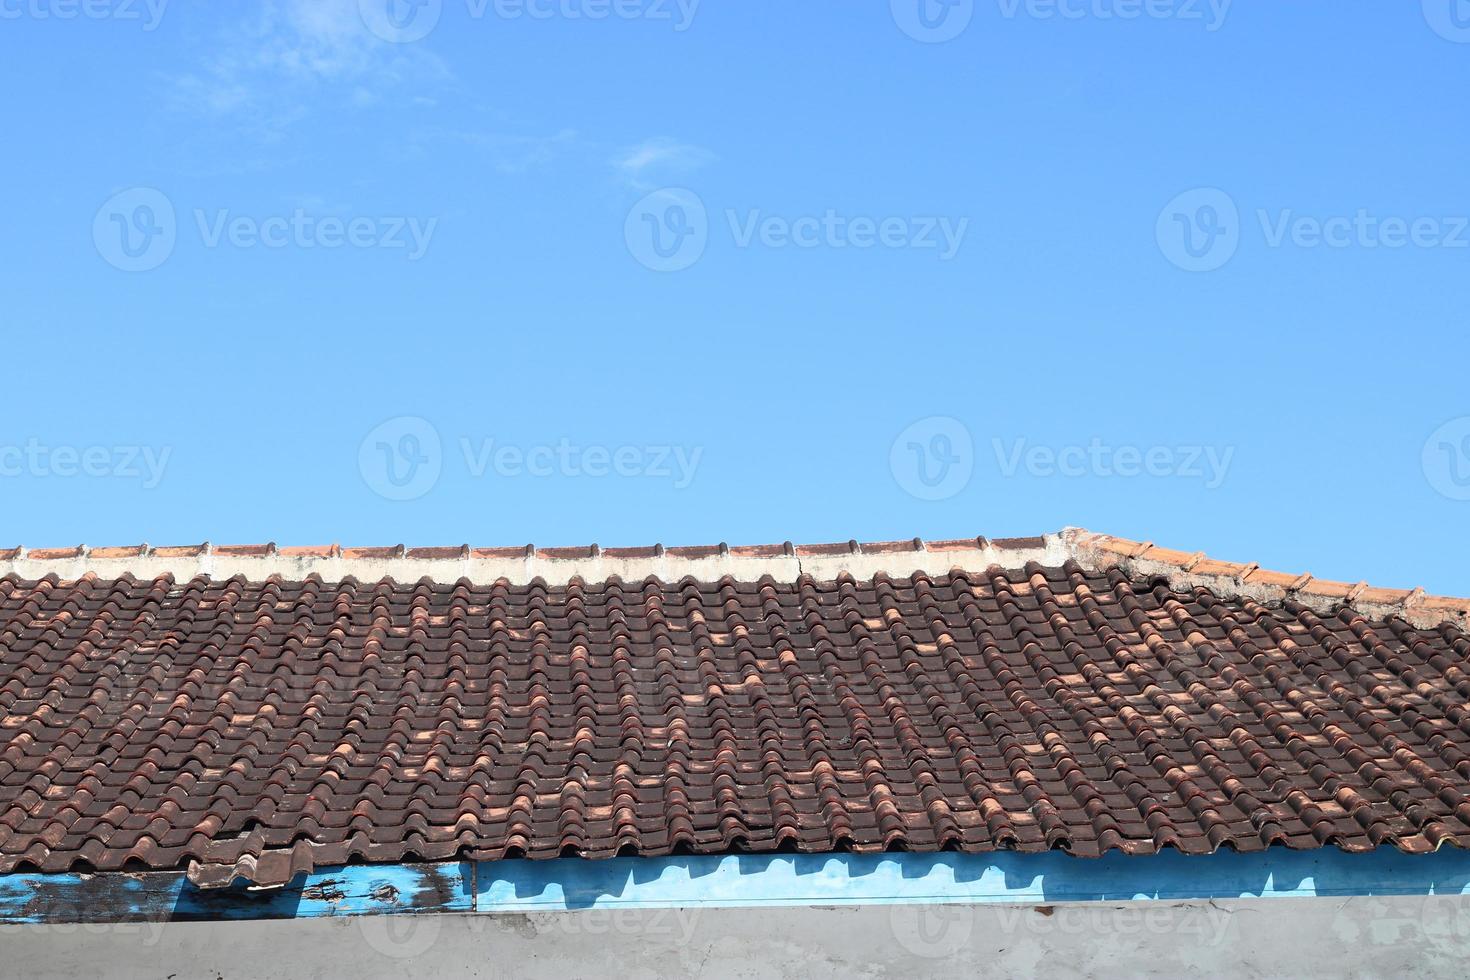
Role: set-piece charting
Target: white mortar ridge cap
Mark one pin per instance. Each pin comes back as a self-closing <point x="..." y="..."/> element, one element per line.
<point x="786" y="562"/>
<point x="1185" y="571"/>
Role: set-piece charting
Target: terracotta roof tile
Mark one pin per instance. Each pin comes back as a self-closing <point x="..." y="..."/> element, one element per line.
<point x="320" y="551"/>
<point x="256" y="727"/>
<point x="695" y="553"/>
<point x="441" y="554"/>
<point x="52" y="554"/>
<point x="107" y="553"/>
<point x="759" y="550"/>
<point x="245" y="550"/>
<point x="562" y="554"/>
<point x="1328" y="589"/>
<point x="1016" y="543"/>
<point x="626" y="553"/>
<point x="186" y="551"/>
<point x="1280" y="580"/>
<point x="1436" y="606"/>
<point x="893" y="547"/>
<point x="957" y="545"/>
<point x="1211" y="566"/>
<point x="502" y="553"/>
<point x="816" y="550"/>
<point x="356" y="553"/>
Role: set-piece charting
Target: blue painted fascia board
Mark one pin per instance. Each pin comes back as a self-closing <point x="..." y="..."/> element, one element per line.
<point x="737" y="881"/>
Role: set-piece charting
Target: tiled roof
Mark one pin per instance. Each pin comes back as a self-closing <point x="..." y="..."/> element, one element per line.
<point x="256" y="712"/>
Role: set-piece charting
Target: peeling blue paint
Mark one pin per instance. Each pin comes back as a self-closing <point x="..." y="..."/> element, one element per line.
<point x="767" y="880"/>
<point x="168" y="896"/>
<point x="736" y="881"/>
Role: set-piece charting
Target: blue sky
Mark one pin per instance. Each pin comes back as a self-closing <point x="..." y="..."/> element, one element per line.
<point x="568" y="271"/>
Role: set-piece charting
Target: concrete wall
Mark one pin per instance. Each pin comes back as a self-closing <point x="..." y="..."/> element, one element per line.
<point x="1416" y="936"/>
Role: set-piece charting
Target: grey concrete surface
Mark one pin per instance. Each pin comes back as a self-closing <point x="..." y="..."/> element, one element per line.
<point x="1298" y="938"/>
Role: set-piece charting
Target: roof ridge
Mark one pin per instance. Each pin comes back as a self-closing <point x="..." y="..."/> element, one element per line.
<point x="786" y="549"/>
<point x="525" y="563"/>
<point x="1231" y="580"/>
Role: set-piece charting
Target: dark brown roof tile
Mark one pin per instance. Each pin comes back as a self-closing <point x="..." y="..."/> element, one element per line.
<point x="1019" y="543"/>
<point x="962" y="544"/>
<point x="460" y="551"/>
<point x="253" y="730"/>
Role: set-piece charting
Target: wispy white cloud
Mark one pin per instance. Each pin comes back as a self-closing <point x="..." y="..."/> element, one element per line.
<point x="654" y="162"/>
<point x="287" y="54"/>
